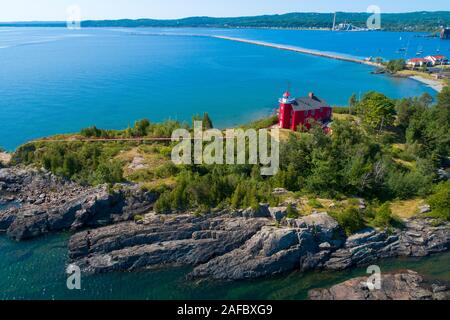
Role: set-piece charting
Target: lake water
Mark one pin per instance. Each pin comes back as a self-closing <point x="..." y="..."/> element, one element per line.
<point x="36" y="270"/>
<point x="54" y="80"/>
<point x="57" y="80"/>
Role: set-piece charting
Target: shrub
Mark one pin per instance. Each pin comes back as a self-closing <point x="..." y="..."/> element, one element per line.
<point x="163" y="204"/>
<point x="262" y="123"/>
<point x="166" y="170"/>
<point x="315" y="204"/>
<point x="292" y="212"/>
<point x="341" y="110"/>
<point x="351" y="220"/>
<point x="383" y="216"/>
<point x="91" y="132"/>
<point x="440" y="201"/>
<point x="407" y="185"/>
<point x="109" y="172"/>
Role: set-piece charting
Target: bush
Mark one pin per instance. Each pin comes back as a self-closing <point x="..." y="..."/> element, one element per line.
<point x="440" y="201"/>
<point x="351" y="220"/>
<point x="315" y="204"/>
<point x="394" y="66"/>
<point x="383" y="217"/>
<point x="262" y="123"/>
<point x="408" y="185"/>
<point x="292" y="212"/>
<point x="163" y="204"/>
<point x="91" y="132"/>
<point x="341" y="110"/>
<point x="111" y="172"/>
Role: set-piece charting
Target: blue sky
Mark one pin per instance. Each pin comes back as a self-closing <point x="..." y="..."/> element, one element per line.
<point x="52" y="10"/>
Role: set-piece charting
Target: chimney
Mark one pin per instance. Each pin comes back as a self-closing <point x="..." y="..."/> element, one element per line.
<point x="311" y="95"/>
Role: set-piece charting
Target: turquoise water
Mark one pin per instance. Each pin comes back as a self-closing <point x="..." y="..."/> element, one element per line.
<point x="35" y="270"/>
<point x="56" y="80"/>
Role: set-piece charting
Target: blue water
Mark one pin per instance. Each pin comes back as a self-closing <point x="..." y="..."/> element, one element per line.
<point x="36" y="270"/>
<point x="56" y="80"/>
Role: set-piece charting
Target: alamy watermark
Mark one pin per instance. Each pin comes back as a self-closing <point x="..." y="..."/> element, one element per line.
<point x="73" y="21"/>
<point x="73" y="277"/>
<point x="215" y="147"/>
<point x="374" y="21"/>
<point x="374" y="281"/>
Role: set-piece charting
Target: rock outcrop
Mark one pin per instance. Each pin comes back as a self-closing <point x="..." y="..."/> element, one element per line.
<point x="46" y="203"/>
<point x="247" y="245"/>
<point x="230" y="245"/>
<point x="301" y="245"/>
<point x="407" y="285"/>
<point x="161" y="240"/>
<point x="317" y="242"/>
<point x="419" y="238"/>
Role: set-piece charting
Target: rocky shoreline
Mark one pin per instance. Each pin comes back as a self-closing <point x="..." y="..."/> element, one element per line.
<point x="404" y="285"/>
<point x="229" y="245"/>
<point x="37" y="202"/>
<point x="234" y="247"/>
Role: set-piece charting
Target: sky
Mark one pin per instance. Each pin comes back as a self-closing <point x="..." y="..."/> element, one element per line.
<point x="56" y="10"/>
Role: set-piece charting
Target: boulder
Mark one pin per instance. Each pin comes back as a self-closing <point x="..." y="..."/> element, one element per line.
<point x="406" y="285"/>
<point x="278" y="213"/>
<point x="261" y="212"/>
<point x="425" y="209"/>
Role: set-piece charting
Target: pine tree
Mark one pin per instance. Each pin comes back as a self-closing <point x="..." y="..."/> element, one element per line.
<point x="207" y="123"/>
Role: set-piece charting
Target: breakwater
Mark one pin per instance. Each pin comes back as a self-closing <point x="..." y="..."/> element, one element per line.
<point x="301" y="50"/>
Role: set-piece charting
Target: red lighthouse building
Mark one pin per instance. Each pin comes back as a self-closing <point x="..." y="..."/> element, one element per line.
<point x="303" y="111"/>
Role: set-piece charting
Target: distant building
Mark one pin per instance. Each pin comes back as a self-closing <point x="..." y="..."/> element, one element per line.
<point x="302" y="111"/>
<point x="445" y="33"/>
<point x="416" y="62"/>
<point x="436" y="60"/>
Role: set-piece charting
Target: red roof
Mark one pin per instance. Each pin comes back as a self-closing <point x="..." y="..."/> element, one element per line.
<point x="440" y="57"/>
<point x="417" y="60"/>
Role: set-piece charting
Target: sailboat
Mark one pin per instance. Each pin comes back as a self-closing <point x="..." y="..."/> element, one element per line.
<point x="420" y="51"/>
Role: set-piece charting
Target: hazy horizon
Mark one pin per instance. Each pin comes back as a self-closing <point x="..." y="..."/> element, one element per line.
<point x="56" y="10"/>
<point x="219" y="17"/>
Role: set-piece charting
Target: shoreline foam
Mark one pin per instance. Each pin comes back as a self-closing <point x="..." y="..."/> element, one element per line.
<point x="434" y="84"/>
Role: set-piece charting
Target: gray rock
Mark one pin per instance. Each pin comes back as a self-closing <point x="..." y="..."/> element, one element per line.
<point x="274" y="250"/>
<point x="407" y="285"/>
<point x="326" y="246"/>
<point x="419" y="238"/>
<point x="54" y="204"/>
<point x="261" y="212"/>
<point x="163" y="241"/>
<point x="425" y="209"/>
<point x="279" y="191"/>
<point x="278" y="213"/>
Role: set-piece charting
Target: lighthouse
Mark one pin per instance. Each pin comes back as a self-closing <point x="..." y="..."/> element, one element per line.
<point x="286" y="110"/>
<point x="295" y="112"/>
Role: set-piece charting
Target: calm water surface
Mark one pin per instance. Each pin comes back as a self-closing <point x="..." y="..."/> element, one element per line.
<point x="35" y="270"/>
<point x="54" y="80"/>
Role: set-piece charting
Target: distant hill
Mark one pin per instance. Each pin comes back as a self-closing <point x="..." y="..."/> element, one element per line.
<point x="413" y="21"/>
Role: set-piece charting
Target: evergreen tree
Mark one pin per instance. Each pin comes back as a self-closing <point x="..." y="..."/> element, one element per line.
<point x="444" y="98"/>
<point x="352" y="103"/>
<point x="207" y="123"/>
